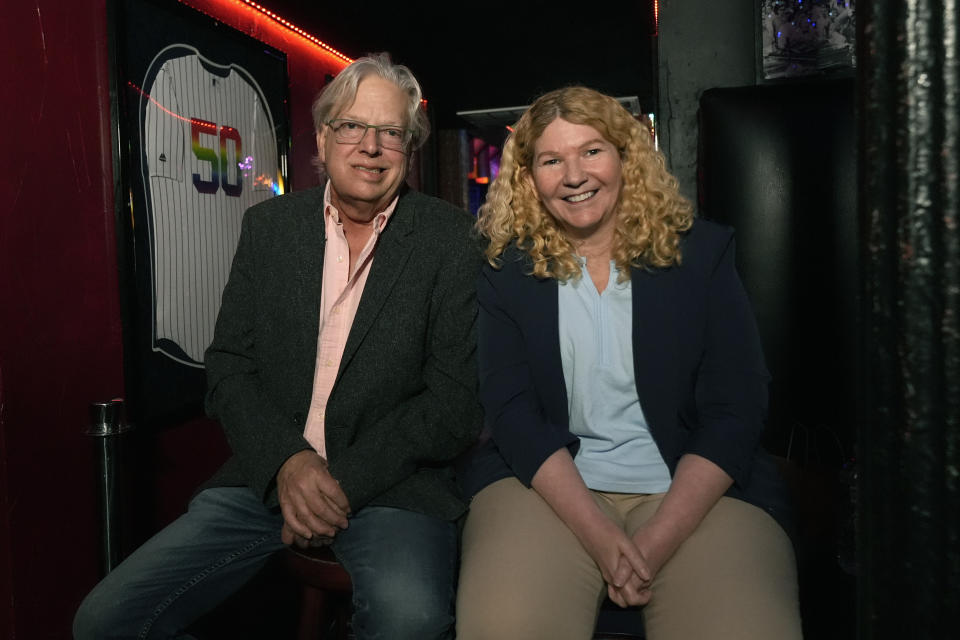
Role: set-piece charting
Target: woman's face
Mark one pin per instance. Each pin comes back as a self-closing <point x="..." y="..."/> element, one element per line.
<point x="577" y="175"/>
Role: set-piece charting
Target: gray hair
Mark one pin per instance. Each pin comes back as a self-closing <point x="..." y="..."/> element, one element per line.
<point x="343" y="90"/>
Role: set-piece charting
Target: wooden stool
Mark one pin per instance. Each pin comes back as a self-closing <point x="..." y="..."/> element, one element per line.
<point x="325" y="588"/>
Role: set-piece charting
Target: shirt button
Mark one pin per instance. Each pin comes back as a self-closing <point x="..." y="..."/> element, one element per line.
<point x="328" y="363"/>
<point x="339" y="258"/>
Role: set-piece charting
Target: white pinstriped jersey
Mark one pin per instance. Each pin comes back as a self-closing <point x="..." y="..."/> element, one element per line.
<point x="210" y="153"/>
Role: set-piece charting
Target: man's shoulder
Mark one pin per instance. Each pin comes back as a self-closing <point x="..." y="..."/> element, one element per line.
<point x="439" y="227"/>
<point x="436" y="213"/>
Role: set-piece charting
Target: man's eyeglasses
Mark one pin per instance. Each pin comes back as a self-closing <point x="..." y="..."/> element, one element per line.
<point x="352" y="132"/>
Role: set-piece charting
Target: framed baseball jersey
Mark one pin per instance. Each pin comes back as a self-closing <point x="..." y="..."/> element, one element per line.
<point x="201" y="117"/>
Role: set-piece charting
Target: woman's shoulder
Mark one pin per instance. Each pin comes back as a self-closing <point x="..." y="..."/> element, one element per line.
<point x="513" y="274"/>
<point x="705" y="244"/>
<point x="702" y="248"/>
<point x="513" y="262"/>
<point x="707" y="233"/>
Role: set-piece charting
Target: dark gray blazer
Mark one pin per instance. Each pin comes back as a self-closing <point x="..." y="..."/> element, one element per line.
<point x="404" y="403"/>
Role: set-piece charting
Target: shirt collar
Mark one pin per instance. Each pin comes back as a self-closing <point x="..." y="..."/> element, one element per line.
<point x="379" y="221"/>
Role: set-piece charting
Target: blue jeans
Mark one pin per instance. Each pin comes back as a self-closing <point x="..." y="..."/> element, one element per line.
<point x="402" y="565"/>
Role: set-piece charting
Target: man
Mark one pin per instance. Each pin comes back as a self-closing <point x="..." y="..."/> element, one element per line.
<point x="342" y="370"/>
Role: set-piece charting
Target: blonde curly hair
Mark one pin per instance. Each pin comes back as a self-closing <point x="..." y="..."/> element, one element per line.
<point x="651" y="213"/>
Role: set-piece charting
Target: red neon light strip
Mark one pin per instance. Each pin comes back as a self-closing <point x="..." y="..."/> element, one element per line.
<point x="163" y="108"/>
<point x="297" y="30"/>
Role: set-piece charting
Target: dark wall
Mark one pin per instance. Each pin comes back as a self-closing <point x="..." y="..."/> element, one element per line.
<point x="516" y="51"/>
<point x="496" y="53"/>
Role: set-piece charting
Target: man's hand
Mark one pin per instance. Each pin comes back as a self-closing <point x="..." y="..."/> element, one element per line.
<point x="290" y="538"/>
<point x="313" y="505"/>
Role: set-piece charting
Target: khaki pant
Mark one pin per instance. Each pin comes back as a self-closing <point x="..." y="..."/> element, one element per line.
<point x="524" y="575"/>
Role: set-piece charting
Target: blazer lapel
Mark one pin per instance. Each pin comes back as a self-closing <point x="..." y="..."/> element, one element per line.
<point x="312" y="242"/>
<point x="543" y="294"/>
<point x="654" y="342"/>
<point x="307" y="253"/>
<point x="394" y="249"/>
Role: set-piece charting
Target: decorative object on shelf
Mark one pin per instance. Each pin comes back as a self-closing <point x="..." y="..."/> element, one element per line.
<point x="798" y="38"/>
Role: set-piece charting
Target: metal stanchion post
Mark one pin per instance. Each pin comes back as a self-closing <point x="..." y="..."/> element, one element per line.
<point x="107" y="423"/>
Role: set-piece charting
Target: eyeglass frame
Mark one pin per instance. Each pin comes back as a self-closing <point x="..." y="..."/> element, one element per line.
<point x="407" y="133"/>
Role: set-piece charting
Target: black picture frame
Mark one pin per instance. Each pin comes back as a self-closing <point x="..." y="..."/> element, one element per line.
<point x="200" y="116"/>
<point x="804" y="38"/>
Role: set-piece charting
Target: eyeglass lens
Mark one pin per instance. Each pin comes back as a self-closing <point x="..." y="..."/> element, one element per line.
<point x="351" y="132"/>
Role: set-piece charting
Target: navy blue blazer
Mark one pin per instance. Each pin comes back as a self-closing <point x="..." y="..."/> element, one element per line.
<point x="698" y="363"/>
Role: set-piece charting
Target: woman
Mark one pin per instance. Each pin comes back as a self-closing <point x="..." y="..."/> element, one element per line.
<point x="625" y="392"/>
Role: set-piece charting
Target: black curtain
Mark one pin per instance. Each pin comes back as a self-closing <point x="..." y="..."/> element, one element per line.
<point x="909" y="426"/>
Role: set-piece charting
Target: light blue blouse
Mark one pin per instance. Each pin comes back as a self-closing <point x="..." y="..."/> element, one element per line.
<point x="617" y="452"/>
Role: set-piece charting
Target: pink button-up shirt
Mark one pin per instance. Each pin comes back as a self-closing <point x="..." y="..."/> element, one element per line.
<point x="339" y="299"/>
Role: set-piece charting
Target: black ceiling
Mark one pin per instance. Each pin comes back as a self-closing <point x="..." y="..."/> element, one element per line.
<point x="492" y="54"/>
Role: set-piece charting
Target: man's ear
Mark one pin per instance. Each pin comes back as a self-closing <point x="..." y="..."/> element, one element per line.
<point x="321" y="139"/>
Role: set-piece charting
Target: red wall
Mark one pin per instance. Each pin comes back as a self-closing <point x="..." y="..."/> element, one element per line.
<point x="60" y="332"/>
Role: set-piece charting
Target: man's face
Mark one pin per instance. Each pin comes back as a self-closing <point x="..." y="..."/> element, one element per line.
<point x="364" y="176"/>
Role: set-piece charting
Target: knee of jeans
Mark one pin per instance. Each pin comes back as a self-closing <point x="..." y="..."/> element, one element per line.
<point x="106" y="613"/>
<point x="94" y="619"/>
<point x="401" y="610"/>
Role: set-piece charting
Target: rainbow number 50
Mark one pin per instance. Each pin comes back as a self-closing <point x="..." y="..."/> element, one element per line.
<point x="229" y="155"/>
